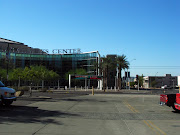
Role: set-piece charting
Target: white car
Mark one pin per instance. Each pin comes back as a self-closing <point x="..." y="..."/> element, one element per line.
<point x="7" y="95"/>
<point x="164" y="87"/>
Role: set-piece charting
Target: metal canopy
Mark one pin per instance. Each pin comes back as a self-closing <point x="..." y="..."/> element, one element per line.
<point x="91" y="77"/>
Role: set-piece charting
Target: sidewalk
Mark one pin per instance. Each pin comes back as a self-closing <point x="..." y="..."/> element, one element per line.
<point x="49" y="94"/>
<point x="98" y="91"/>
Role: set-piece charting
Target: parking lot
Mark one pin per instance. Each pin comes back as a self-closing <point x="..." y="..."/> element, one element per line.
<point x="82" y="113"/>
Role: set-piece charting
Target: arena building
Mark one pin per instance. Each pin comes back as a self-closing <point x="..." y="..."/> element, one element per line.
<point x="19" y="55"/>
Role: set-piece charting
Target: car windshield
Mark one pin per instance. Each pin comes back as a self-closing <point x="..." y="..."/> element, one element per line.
<point x="1" y="84"/>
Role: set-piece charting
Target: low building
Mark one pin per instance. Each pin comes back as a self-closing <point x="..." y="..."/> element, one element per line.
<point x="159" y="81"/>
<point x="179" y="81"/>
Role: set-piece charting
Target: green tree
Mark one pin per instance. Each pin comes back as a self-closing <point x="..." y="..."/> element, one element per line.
<point x="140" y="81"/>
<point x="30" y="74"/>
<point x="122" y="63"/>
<point x="16" y="75"/>
<point x="2" y="73"/>
<point x="79" y="71"/>
<point x="52" y="75"/>
<point x="41" y="73"/>
<point x="132" y="84"/>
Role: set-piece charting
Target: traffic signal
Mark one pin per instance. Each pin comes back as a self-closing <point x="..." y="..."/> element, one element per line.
<point x="137" y="77"/>
<point x="128" y="74"/>
<point x="125" y="74"/>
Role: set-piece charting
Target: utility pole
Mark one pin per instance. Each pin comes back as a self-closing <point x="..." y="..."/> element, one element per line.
<point x="137" y="79"/>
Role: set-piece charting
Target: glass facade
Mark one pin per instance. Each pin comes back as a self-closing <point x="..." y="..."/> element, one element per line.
<point x="61" y="63"/>
<point x="18" y="55"/>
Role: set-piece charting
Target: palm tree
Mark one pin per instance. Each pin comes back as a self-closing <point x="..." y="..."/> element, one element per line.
<point x="122" y="63"/>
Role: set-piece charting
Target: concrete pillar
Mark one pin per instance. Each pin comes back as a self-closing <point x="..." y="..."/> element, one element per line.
<point x="69" y="81"/>
<point x="101" y="84"/>
<point x="58" y="84"/>
<point x="89" y="81"/>
<point x="85" y="83"/>
<point x="98" y="84"/>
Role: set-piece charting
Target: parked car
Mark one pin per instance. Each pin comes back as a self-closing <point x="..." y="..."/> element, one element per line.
<point x="7" y="95"/>
<point x="171" y="100"/>
<point x="164" y="87"/>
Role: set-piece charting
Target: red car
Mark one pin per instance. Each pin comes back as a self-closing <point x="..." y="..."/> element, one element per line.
<point x="171" y="100"/>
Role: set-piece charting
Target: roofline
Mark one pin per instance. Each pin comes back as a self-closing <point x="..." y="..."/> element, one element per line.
<point x="75" y="53"/>
<point x="159" y="76"/>
<point x="90" y="52"/>
<point x="10" y="41"/>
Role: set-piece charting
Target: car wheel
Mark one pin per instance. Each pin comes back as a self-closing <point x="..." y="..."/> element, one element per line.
<point x="8" y="102"/>
<point x="1" y="101"/>
<point x="175" y="109"/>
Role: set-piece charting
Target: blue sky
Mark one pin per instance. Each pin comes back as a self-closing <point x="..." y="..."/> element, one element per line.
<point x="145" y="30"/>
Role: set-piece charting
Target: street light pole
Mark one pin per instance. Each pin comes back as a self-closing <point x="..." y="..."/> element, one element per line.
<point x="115" y="81"/>
<point x="7" y="58"/>
<point x="129" y="83"/>
<point x="98" y="71"/>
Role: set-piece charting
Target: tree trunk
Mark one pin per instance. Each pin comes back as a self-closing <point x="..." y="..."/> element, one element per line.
<point x="104" y="80"/>
<point x="19" y="82"/>
<point x="119" y="79"/>
<point x="106" y="77"/>
<point x="42" y="83"/>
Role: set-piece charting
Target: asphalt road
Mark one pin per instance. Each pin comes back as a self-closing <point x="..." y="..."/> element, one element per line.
<point x="71" y="113"/>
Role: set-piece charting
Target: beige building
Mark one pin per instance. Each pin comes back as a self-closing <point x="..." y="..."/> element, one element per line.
<point x="179" y="81"/>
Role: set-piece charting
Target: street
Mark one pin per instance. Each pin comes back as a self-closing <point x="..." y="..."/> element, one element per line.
<point x="80" y="114"/>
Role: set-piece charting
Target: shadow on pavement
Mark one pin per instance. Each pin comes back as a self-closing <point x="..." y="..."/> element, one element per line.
<point x="83" y="100"/>
<point x="176" y="112"/>
<point x="27" y="114"/>
<point x="35" y="99"/>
